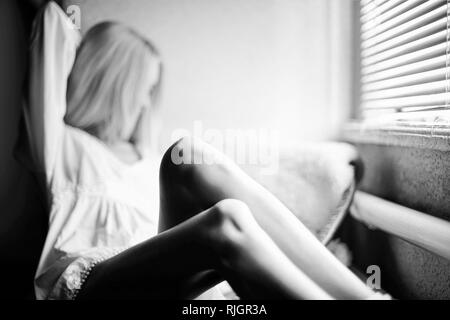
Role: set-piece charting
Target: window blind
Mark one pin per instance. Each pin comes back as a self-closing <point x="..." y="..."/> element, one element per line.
<point x="405" y="55"/>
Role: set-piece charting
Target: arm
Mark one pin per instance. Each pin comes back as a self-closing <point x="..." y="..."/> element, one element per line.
<point x="53" y="46"/>
<point x="29" y="9"/>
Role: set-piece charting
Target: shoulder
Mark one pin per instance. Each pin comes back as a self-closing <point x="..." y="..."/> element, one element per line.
<point x="83" y="160"/>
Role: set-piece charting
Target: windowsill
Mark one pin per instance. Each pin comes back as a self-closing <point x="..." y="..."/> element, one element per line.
<point x="403" y="133"/>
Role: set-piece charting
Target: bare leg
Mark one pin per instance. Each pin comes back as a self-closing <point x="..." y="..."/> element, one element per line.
<point x="202" y="185"/>
<point x="224" y="238"/>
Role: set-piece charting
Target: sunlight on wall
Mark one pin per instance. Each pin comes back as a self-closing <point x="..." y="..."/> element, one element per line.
<point x="236" y="64"/>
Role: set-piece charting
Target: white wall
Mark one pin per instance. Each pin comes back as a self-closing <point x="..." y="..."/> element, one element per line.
<point x="237" y="63"/>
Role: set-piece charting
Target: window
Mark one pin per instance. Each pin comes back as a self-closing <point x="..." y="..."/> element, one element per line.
<point x="404" y="52"/>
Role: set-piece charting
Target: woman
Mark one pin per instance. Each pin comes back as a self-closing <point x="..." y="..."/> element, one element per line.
<point x="105" y="239"/>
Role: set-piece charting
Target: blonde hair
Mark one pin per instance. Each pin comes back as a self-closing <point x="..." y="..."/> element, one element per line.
<point x="107" y="81"/>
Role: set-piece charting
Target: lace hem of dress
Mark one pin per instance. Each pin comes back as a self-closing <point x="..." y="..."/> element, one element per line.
<point x="75" y="275"/>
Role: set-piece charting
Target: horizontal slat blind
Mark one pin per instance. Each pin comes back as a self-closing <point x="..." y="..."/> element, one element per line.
<point x="405" y="54"/>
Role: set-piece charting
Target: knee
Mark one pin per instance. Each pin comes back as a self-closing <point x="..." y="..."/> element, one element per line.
<point x="233" y="211"/>
<point x="231" y="223"/>
<point x="191" y="160"/>
<point x="177" y="160"/>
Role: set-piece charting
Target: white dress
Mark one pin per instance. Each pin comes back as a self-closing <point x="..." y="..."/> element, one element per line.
<point x="98" y="204"/>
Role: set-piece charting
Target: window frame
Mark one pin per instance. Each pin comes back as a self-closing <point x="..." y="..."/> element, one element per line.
<point x="422" y="129"/>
